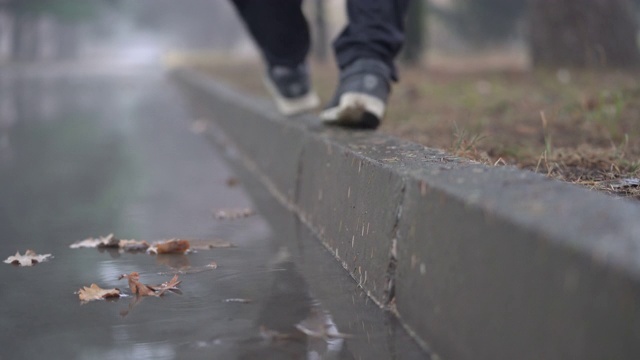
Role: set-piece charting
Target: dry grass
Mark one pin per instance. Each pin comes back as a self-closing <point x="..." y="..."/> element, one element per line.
<point x="581" y="127"/>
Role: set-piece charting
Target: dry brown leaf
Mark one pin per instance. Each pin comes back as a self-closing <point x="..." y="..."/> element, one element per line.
<point x="136" y="287"/>
<point x="232" y="214"/>
<point x="94" y="292"/>
<point x="110" y="241"/>
<point x="103" y="241"/>
<point x="172" y="246"/>
<point x="28" y="259"/>
<point x="133" y="245"/>
<point x="167" y="285"/>
<point x="140" y="289"/>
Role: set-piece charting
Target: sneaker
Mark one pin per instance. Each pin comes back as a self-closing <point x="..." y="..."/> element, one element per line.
<point x="361" y="98"/>
<point x="291" y="89"/>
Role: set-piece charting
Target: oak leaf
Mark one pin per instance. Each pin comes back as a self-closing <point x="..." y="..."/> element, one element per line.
<point x="133" y="245"/>
<point x="28" y="259"/>
<point x="136" y="287"/>
<point x="109" y="241"/>
<point x="171" y="285"/>
<point x="172" y="246"/>
<point x="94" y="292"/>
<point x="140" y="289"/>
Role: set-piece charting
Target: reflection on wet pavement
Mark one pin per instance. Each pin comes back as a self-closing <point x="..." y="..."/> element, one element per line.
<point x="85" y="156"/>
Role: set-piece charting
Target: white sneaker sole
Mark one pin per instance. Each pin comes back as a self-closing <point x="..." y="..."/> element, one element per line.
<point x="352" y="107"/>
<point x="288" y="106"/>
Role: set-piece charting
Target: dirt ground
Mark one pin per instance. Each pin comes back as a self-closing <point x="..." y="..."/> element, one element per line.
<point x="577" y="126"/>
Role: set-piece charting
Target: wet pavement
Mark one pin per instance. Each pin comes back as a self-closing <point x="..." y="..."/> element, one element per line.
<point x="84" y="154"/>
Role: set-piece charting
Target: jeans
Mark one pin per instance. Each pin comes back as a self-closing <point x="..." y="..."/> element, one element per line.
<point x="375" y="30"/>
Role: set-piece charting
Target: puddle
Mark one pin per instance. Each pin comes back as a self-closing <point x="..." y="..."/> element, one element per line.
<point x="90" y="156"/>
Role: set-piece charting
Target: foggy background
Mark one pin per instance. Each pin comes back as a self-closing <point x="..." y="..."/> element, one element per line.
<point x="496" y="33"/>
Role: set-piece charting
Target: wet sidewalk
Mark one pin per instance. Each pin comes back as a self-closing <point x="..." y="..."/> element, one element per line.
<point x="84" y="156"/>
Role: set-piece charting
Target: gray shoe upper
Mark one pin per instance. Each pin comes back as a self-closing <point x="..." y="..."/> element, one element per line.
<point x="367" y="76"/>
<point x="290" y="82"/>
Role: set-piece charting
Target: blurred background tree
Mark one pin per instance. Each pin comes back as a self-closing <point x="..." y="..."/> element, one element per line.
<point x="44" y="29"/>
<point x="550" y="33"/>
<point x="558" y="33"/>
<point x="583" y="33"/>
<point x="415" y="38"/>
<point x="482" y="22"/>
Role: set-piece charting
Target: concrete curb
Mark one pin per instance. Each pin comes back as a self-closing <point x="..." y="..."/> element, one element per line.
<point x="478" y="262"/>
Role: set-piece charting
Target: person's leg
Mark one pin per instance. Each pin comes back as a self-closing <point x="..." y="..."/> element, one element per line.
<point x="281" y="32"/>
<point x="365" y="53"/>
<point x="279" y="29"/>
<point x="375" y="31"/>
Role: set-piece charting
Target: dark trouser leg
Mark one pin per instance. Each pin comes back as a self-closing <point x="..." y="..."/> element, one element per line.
<point x="375" y="31"/>
<point x="279" y="28"/>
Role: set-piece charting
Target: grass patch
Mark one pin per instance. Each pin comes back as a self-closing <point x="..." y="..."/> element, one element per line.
<point x="580" y="127"/>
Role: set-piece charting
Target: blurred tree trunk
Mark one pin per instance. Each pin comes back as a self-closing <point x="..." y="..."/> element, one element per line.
<point x="414" y="32"/>
<point x="320" y="45"/>
<point x="583" y="33"/>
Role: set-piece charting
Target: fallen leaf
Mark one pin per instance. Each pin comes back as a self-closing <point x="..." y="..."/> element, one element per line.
<point x="136" y="287"/>
<point x="94" y="292"/>
<point x="133" y="245"/>
<point x="29" y="258"/>
<point x="110" y="241"/>
<point x="166" y="286"/>
<point x="172" y="246"/>
<point x="140" y="289"/>
<point x="103" y="241"/>
<point x="232" y="214"/>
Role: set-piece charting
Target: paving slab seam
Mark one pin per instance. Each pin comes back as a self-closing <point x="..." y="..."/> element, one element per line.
<point x="480" y="262"/>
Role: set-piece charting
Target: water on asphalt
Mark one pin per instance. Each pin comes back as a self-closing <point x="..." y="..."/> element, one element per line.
<point x="84" y="155"/>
